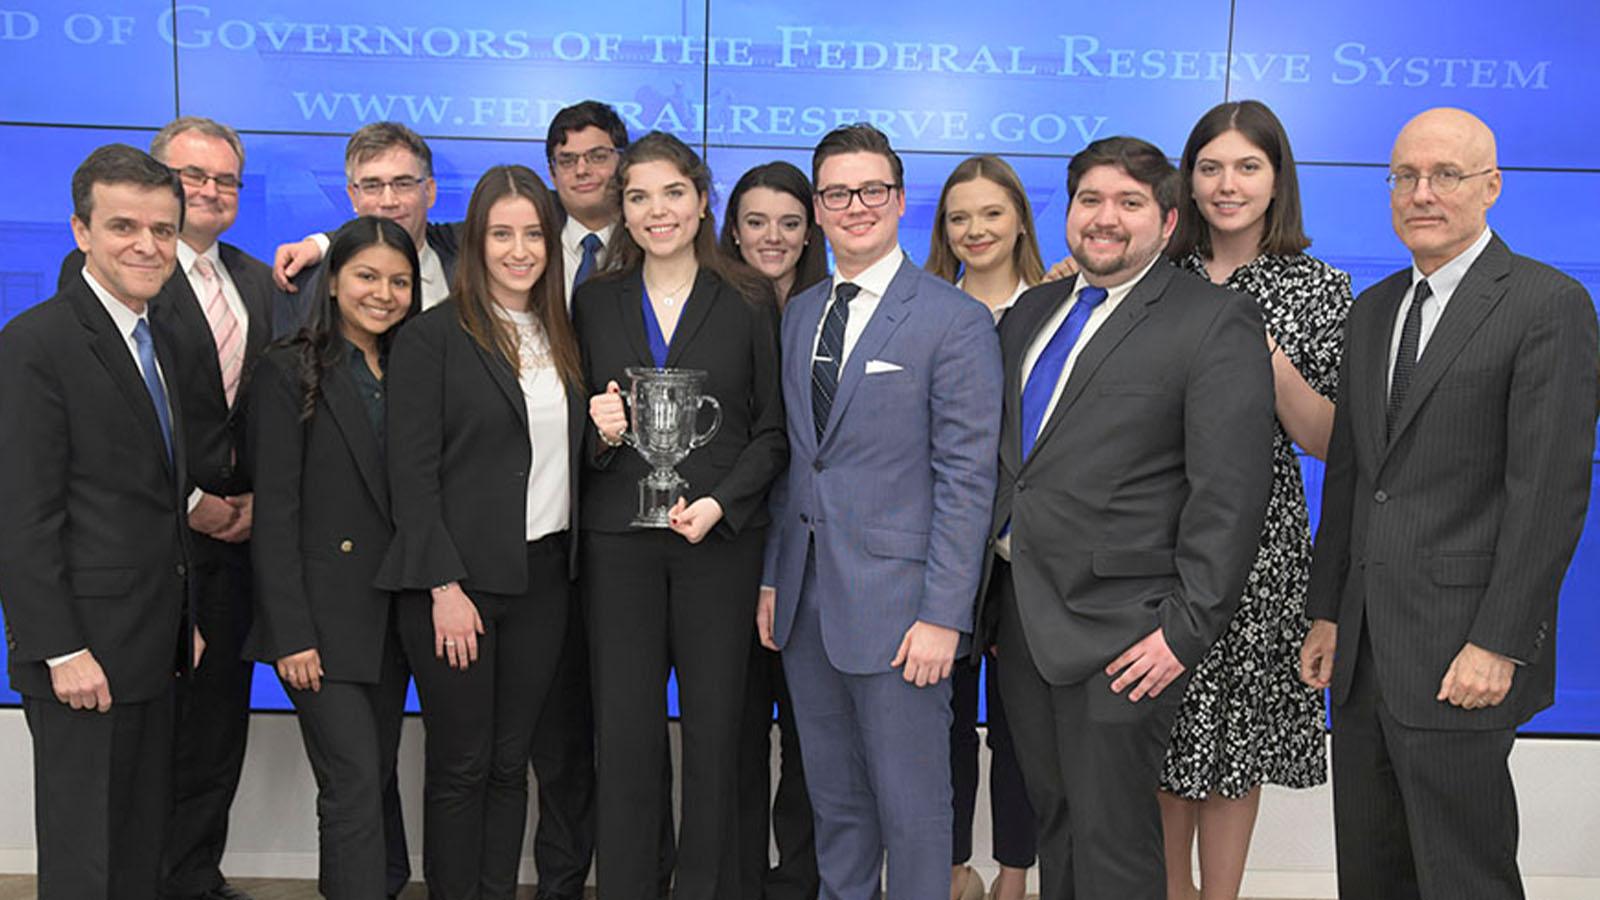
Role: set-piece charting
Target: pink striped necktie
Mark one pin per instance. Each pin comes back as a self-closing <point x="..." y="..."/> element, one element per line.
<point x="224" y="328"/>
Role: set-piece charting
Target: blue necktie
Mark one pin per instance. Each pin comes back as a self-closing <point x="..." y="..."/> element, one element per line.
<point x="830" y="350"/>
<point x="591" y="252"/>
<point x="152" y="381"/>
<point x="1047" y="368"/>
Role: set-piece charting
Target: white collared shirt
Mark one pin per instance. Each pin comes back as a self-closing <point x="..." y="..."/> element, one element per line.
<point x="1443" y="282"/>
<point x="549" y="502"/>
<point x="999" y="311"/>
<point x="572" y="235"/>
<point x="874" y="283"/>
<point x="187" y="257"/>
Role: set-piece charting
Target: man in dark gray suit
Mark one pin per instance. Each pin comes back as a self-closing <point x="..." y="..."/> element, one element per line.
<point x="1135" y="463"/>
<point x="1458" y="478"/>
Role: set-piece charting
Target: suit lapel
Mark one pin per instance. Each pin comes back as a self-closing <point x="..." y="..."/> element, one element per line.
<point x="1022" y="334"/>
<point x="807" y="310"/>
<point x="695" y="311"/>
<point x="500" y="371"/>
<point x="1127" y="316"/>
<point x="350" y="415"/>
<point x="1477" y="295"/>
<point x="631" y="310"/>
<point x="892" y="310"/>
<point x="1376" y="342"/>
<point x="256" y="293"/>
<point x="112" y="350"/>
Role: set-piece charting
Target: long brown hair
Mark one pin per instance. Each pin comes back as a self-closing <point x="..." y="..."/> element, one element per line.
<point x="785" y="178"/>
<point x="624" y="256"/>
<point x="470" y="289"/>
<point x="1284" y="232"/>
<point x="942" y="259"/>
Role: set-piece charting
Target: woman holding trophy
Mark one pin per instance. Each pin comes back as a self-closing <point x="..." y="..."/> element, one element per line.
<point x="486" y="423"/>
<point x="672" y="546"/>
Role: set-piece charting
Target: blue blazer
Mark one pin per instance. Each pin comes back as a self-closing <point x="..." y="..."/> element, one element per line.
<point x="897" y="494"/>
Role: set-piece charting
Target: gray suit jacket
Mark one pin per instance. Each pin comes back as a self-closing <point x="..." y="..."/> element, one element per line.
<point x="1142" y="502"/>
<point x="1459" y="528"/>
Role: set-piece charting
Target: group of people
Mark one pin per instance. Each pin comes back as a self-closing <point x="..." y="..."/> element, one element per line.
<point x="407" y="460"/>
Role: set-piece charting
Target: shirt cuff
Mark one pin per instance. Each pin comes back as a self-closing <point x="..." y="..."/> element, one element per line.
<point x="321" y="240"/>
<point x="54" y="661"/>
<point x="194" y="499"/>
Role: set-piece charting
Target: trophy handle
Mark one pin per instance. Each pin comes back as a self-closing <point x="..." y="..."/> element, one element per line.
<point x="700" y="440"/>
<point x="628" y="437"/>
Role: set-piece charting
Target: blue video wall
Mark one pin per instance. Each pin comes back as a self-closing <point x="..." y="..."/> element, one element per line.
<point x="756" y="80"/>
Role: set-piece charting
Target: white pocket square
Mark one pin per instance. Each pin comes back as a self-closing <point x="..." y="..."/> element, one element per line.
<point x="879" y="366"/>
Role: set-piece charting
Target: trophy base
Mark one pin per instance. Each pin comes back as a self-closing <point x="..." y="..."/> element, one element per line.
<point x="656" y="499"/>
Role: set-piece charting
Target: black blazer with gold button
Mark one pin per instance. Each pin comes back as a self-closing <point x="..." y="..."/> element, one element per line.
<point x="321" y="521"/>
<point x="735" y="341"/>
<point x="459" y="458"/>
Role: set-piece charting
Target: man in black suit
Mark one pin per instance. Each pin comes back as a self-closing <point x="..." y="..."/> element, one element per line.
<point x="93" y="556"/>
<point x="389" y="174"/>
<point x="215" y="313"/>
<point x="1135" y="464"/>
<point x="1457" y="483"/>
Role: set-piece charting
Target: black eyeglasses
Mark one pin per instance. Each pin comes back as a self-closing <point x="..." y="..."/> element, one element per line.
<point x="403" y="186"/>
<point x="594" y="156"/>
<point x="196" y="177"/>
<point x="873" y="194"/>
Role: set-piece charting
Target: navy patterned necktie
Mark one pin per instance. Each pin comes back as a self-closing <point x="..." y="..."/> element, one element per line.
<point x="830" y="350"/>
<point x="1405" y="362"/>
<point x="591" y="255"/>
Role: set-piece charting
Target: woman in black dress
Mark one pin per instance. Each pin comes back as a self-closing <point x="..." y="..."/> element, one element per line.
<point x="485" y="421"/>
<point x="322" y="524"/>
<point x="682" y="596"/>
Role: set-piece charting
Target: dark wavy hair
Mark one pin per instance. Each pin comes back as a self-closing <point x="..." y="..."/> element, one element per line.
<point x="1284" y="233"/>
<point x="470" y="288"/>
<point x="624" y="256"/>
<point x="319" y="342"/>
<point x="942" y="259"/>
<point x="785" y="178"/>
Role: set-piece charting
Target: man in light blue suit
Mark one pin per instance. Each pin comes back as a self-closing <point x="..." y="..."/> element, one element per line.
<point x="892" y="383"/>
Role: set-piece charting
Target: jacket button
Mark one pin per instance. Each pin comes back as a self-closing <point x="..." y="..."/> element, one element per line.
<point x="1021" y="485"/>
<point x="346" y="545"/>
<point x="805" y="518"/>
<point x="817" y="466"/>
<point x="1381" y="496"/>
<point x="227" y="471"/>
<point x="183" y="569"/>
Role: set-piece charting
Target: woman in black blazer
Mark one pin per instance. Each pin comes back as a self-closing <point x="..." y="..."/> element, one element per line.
<point x="486" y="417"/>
<point x="682" y="597"/>
<point x="316" y="433"/>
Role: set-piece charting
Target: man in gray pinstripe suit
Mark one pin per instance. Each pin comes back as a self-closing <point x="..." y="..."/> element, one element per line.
<point x="1457" y="483"/>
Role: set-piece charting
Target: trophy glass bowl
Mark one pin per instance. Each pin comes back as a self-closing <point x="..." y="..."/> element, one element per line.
<point x="665" y="405"/>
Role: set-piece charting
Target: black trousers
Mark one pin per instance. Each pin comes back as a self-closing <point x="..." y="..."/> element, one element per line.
<point x="213" y="719"/>
<point x="654" y="600"/>
<point x="480" y="725"/>
<point x="1011" y="817"/>
<point x="1419" y="813"/>
<point x="788" y="812"/>
<point x="563" y="762"/>
<point x="102" y="792"/>
<point x="352" y="735"/>
<point x="1091" y="761"/>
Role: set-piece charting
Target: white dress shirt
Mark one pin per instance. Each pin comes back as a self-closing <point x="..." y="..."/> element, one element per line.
<point x="1114" y="297"/>
<point x="549" y="504"/>
<point x="1443" y="282"/>
<point x="572" y="235"/>
<point x="873" y="282"/>
<point x="999" y="311"/>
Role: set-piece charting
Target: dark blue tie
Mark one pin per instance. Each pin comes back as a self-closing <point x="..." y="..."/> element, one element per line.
<point x="830" y="350"/>
<point x="591" y="252"/>
<point x="152" y="381"/>
<point x="1047" y="368"/>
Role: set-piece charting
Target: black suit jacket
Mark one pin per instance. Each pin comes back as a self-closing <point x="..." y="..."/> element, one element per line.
<point x="1459" y="527"/>
<point x="214" y="433"/>
<point x="458" y="461"/>
<point x="735" y="341"/>
<point x="321" y="522"/>
<point x="290" y="311"/>
<point x="93" y="535"/>
<point x="1142" y="502"/>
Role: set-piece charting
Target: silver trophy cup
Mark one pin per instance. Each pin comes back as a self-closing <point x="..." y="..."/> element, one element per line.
<point x="665" y="406"/>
